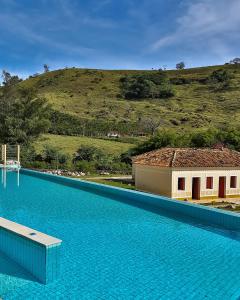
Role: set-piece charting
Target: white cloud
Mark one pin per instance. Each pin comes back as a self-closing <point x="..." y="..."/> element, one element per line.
<point x="67" y="8"/>
<point x="25" y="27"/>
<point x="8" y="3"/>
<point x="213" y="23"/>
<point x="82" y="17"/>
<point x="99" y="5"/>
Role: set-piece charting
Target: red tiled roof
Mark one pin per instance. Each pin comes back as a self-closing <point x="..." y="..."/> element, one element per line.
<point x="190" y="157"/>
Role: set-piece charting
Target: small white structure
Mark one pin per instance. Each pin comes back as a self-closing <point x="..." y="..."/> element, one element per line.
<point x="185" y="173"/>
<point x="113" y="135"/>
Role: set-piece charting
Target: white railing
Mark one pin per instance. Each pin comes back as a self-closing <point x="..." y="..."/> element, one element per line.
<point x="10" y="155"/>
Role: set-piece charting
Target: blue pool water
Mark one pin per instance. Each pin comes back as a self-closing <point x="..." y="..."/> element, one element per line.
<point x="114" y="250"/>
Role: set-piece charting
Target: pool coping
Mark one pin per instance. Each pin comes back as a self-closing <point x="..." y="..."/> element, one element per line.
<point x="34" y="251"/>
<point x="226" y="219"/>
<point x="28" y="233"/>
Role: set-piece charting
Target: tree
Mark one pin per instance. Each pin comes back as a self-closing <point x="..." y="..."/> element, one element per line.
<point x="158" y="78"/>
<point x="23" y="117"/>
<point x="230" y="137"/>
<point x="9" y="80"/>
<point x="46" y="68"/>
<point x="152" y="85"/>
<point x="180" y="66"/>
<point x="164" y="91"/>
<point x="137" y="87"/>
<point x="164" y="138"/>
<point x="235" y="61"/>
<point x="206" y="138"/>
<point x="220" y="79"/>
<point x="6" y="76"/>
<point x="149" y="125"/>
<point x="51" y="154"/>
<point x="88" y="153"/>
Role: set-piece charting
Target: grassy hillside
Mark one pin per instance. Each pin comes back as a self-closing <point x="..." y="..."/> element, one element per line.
<point x="69" y="144"/>
<point x="96" y="94"/>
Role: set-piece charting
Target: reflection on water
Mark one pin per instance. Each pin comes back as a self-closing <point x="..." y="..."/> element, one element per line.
<point x="6" y="172"/>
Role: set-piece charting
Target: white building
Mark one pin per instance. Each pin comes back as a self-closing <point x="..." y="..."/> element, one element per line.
<point x="114" y="135"/>
<point x="185" y="173"/>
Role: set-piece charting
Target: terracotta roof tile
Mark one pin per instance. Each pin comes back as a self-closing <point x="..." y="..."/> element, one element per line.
<point x="190" y="157"/>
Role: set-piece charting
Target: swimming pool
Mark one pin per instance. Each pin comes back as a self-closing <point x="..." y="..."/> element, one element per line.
<point x="115" y="250"/>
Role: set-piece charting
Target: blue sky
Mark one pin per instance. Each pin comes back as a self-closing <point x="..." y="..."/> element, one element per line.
<point x="117" y="34"/>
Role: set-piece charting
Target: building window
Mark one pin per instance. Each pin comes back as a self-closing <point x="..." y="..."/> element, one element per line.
<point x="209" y="183"/>
<point x="181" y="184"/>
<point x="233" y="182"/>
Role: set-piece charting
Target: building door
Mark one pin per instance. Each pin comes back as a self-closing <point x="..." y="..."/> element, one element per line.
<point x="222" y="187"/>
<point x="196" y="188"/>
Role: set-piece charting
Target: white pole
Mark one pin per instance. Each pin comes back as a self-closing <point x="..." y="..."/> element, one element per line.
<point x="5" y="155"/>
<point x="4" y="177"/>
<point x="2" y="152"/>
<point x="18" y="154"/>
<point x="18" y="178"/>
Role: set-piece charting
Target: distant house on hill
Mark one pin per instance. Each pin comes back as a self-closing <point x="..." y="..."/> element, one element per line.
<point x="114" y="135"/>
<point x="185" y="173"/>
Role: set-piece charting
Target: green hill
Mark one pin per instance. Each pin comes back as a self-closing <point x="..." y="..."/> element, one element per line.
<point x="70" y="144"/>
<point x="96" y="95"/>
<point x="88" y="104"/>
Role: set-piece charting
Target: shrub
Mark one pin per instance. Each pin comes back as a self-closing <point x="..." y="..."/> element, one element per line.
<point x="206" y="138"/>
<point x="180" y="66"/>
<point x="85" y="166"/>
<point x="28" y="156"/>
<point x="180" y="80"/>
<point x="164" y="138"/>
<point x="220" y="79"/>
<point x="88" y="153"/>
<point x="53" y="154"/>
<point x="152" y="85"/>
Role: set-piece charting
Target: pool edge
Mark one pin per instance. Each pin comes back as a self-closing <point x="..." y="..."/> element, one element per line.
<point x="225" y="219"/>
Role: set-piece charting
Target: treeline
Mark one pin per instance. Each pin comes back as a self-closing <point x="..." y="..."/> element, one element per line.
<point x="218" y="80"/>
<point x="65" y="124"/>
<point x="87" y="159"/>
<point x="90" y="159"/>
<point x="226" y="137"/>
<point x="157" y="84"/>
